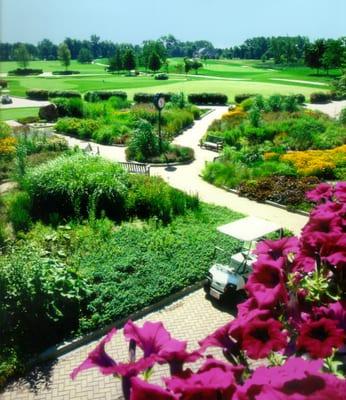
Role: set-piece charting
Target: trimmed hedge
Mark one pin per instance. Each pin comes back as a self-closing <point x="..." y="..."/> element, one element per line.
<point x="239" y="98"/>
<point x="320" y="97"/>
<point x="65" y="72"/>
<point x="64" y="93"/>
<point x="208" y="98"/>
<point x="161" y="77"/>
<point x="37" y="94"/>
<point x="96" y="95"/>
<point x="25" y="71"/>
<point x="148" y="97"/>
<point x="3" y="83"/>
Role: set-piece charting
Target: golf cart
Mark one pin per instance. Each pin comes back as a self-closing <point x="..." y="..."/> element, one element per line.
<point x="229" y="278"/>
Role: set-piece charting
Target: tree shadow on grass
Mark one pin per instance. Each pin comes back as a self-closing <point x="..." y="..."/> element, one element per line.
<point x="37" y="379"/>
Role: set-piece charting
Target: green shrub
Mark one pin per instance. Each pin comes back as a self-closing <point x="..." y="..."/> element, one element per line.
<point x="177" y="120"/>
<point x="148" y="97"/>
<point x="320" y="98"/>
<point x="28" y="120"/>
<point x="208" y="98"/>
<point x="247" y="103"/>
<point x="68" y="185"/>
<point x="145" y="111"/>
<point x="84" y="128"/>
<point x="19" y="210"/>
<point x="274" y="102"/>
<point x="143" y="144"/>
<point x="37" y="94"/>
<point x="68" y="94"/>
<point x="239" y="98"/>
<point x="66" y="72"/>
<point x="98" y="95"/>
<point x="342" y="117"/>
<point x="161" y="77"/>
<point x="300" y="98"/>
<point x="25" y="71"/>
<point x="226" y="173"/>
<point x="3" y="84"/>
<point x="48" y="112"/>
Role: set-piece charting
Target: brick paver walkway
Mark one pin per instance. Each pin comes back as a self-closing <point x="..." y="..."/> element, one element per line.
<point x="192" y="318"/>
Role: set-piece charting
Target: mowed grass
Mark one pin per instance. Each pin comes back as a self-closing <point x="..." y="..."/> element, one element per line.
<point x="226" y="76"/>
<point x="15" y="113"/>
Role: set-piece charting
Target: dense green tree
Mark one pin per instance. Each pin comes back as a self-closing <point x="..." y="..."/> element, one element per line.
<point x="21" y="55"/>
<point x="116" y="62"/>
<point x="333" y="54"/>
<point x="196" y="65"/>
<point x="84" y="55"/>
<point x="314" y="53"/>
<point x="154" y="62"/>
<point x="95" y="46"/>
<point x="129" y="60"/>
<point x="64" y="55"/>
<point x="150" y="47"/>
<point x="47" y="50"/>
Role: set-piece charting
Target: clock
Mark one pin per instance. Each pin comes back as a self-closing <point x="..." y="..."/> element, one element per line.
<point x="159" y="101"/>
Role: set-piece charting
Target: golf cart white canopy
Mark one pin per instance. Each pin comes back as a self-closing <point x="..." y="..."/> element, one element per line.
<point x="249" y="228"/>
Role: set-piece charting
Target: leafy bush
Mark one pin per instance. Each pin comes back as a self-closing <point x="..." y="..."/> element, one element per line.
<point x="176" y="120"/>
<point x="98" y="95"/>
<point x="69" y="107"/>
<point x="25" y="71"/>
<point x="320" y="97"/>
<point x="300" y="98"/>
<point x="208" y="98"/>
<point x="19" y="209"/>
<point x="283" y="190"/>
<point x="48" y="112"/>
<point x="84" y="128"/>
<point x="68" y="94"/>
<point x="161" y="77"/>
<point x="247" y="103"/>
<point x="68" y="185"/>
<point x="3" y="84"/>
<point x="144" y="143"/>
<point x="342" y="117"/>
<point x="28" y="120"/>
<point x="37" y="94"/>
<point x="239" y="98"/>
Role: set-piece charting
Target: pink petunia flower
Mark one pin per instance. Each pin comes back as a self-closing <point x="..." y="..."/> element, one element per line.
<point x="319" y="338"/>
<point x="260" y="338"/>
<point x="340" y="191"/>
<point x="142" y="390"/>
<point x="151" y="338"/>
<point x="322" y="192"/>
<point x="267" y="284"/>
<point x="277" y="249"/>
<point x="98" y="358"/>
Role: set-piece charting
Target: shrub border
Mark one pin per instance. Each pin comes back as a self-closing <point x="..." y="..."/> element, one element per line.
<point x="63" y="348"/>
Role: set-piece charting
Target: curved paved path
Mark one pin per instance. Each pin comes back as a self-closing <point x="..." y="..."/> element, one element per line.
<point x="186" y="177"/>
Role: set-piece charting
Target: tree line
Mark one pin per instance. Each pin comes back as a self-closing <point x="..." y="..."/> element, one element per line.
<point x="153" y="54"/>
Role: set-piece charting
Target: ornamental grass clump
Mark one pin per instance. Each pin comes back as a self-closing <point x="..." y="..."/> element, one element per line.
<point x="293" y="323"/>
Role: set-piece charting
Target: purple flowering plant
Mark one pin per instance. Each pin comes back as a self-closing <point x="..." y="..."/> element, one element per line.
<point x="293" y="323"/>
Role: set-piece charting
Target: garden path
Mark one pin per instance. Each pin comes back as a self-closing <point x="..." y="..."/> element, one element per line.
<point x="333" y="109"/>
<point x="187" y="177"/>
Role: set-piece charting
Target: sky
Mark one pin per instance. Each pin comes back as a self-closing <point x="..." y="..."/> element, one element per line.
<point x="223" y="22"/>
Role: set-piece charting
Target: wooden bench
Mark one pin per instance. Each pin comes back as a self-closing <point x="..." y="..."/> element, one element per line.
<point x="89" y="150"/>
<point x="136" y="168"/>
<point x="213" y="143"/>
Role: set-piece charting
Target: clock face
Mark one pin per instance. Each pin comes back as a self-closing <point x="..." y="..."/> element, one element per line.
<point x="161" y="102"/>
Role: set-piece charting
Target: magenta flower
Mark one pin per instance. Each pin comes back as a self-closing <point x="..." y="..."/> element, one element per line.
<point x="175" y="354"/>
<point x="335" y="311"/>
<point x="297" y="379"/>
<point x="98" y="358"/>
<point x="322" y="192"/>
<point x="142" y="390"/>
<point x="277" y="249"/>
<point x="260" y="338"/>
<point x="213" y="383"/>
<point x="211" y="362"/>
<point x="219" y="338"/>
<point x="340" y="191"/>
<point x="334" y="252"/>
<point x="151" y="338"/>
<point x="319" y="338"/>
<point x="267" y="284"/>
